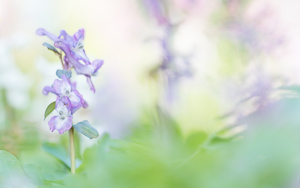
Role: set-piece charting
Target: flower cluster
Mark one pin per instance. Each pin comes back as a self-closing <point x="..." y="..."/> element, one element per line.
<point x="75" y="55"/>
<point x="69" y="100"/>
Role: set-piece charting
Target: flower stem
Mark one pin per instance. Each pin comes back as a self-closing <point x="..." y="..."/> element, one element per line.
<point x="72" y="150"/>
<point x="61" y="60"/>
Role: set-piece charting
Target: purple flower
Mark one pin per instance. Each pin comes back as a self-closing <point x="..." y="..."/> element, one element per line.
<point x="64" y="88"/>
<point x="73" y="47"/>
<point x="75" y="44"/>
<point x="63" y="121"/>
<point x="157" y="10"/>
<point x="88" y="69"/>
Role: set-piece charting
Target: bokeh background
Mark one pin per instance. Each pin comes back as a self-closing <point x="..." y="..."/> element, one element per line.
<point x="225" y="69"/>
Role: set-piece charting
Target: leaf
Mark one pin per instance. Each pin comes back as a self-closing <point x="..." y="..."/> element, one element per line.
<point x="52" y="169"/>
<point x="34" y="173"/>
<point x="59" y="152"/>
<point x="52" y="48"/>
<point x="49" y="109"/>
<point x="11" y="172"/>
<point x="196" y="139"/>
<point x="86" y="129"/>
<point x="60" y="72"/>
<point x="295" y="88"/>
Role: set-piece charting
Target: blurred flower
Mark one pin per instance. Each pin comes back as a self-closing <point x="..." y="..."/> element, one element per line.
<point x="258" y="32"/>
<point x="156" y="9"/>
<point x="173" y="67"/>
<point x="74" y="53"/>
<point x="63" y="121"/>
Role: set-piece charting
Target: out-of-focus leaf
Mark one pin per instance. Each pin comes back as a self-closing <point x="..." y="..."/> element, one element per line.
<point x="34" y="173"/>
<point x="59" y="152"/>
<point x="49" y="109"/>
<point x="11" y="172"/>
<point x="52" y="48"/>
<point x="219" y="139"/>
<point x="52" y="185"/>
<point x="291" y="88"/>
<point x="52" y="168"/>
<point x="86" y="129"/>
<point x="60" y="72"/>
<point x="196" y="139"/>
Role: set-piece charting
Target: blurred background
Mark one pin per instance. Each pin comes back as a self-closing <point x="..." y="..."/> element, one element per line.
<point x="210" y="88"/>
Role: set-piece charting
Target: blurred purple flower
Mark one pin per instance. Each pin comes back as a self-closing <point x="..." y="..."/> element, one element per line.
<point x="64" y="88"/>
<point x="63" y="121"/>
<point x="175" y="67"/>
<point x="259" y="33"/>
<point x="155" y="7"/>
<point x="74" y="53"/>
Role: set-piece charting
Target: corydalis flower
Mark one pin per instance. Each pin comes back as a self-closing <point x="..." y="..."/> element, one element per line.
<point x="88" y="69"/>
<point x="64" y="88"/>
<point x="63" y="121"/>
<point x="75" y="44"/>
<point x="73" y="47"/>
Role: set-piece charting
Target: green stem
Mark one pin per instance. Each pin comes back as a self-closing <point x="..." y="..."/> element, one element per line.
<point x="72" y="150"/>
<point x="61" y="60"/>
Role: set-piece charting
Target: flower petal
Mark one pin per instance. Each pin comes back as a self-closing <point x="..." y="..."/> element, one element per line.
<point x="52" y="123"/>
<point x="64" y="125"/>
<point x="57" y="85"/>
<point x="66" y="85"/>
<point x="60" y="124"/>
<point x="80" y="103"/>
<point x="67" y="37"/>
<point x="48" y="89"/>
<point x="42" y="32"/>
<point x="97" y="64"/>
<point x="79" y="34"/>
<point x="89" y="81"/>
<point x="79" y="68"/>
<point x="63" y="106"/>
<point x="75" y="99"/>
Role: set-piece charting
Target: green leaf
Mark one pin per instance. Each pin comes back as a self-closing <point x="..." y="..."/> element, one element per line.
<point x="60" y="153"/>
<point x="295" y="88"/>
<point x="52" y="168"/>
<point x="196" y="139"/>
<point x="49" y="109"/>
<point x="60" y="72"/>
<point x="11" y="171"/>
<point x="86" y="129"/>
<point x="52" y="48"/>
<point x="34" y="173"/>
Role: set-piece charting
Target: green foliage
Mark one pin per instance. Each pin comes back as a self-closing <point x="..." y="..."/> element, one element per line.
<point x="157" y="154"/>
<point x="58" y="151"/>
<point x="34" y="173"/>
<point x="86" y="129"/>
<point x="49" y="109"/>
<point x="11" y="172"/>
